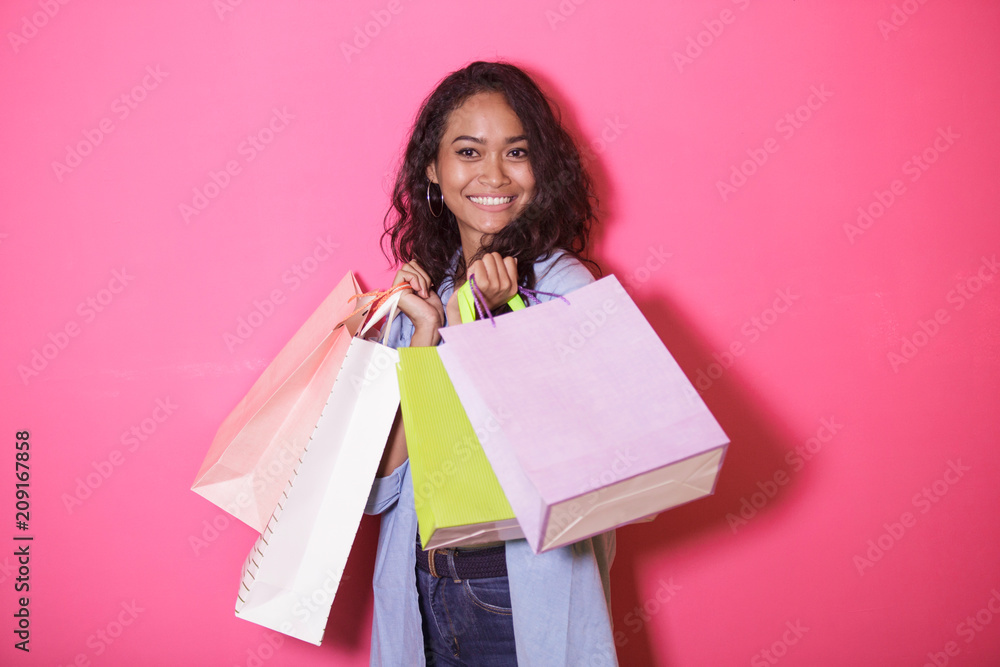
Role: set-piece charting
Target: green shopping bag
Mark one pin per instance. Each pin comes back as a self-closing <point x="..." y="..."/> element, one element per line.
<point x="458" y="499"/>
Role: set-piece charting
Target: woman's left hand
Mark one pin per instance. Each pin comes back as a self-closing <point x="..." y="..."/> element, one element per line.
<point x="422" y="305"/>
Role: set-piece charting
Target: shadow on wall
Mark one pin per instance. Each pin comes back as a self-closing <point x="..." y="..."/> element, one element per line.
<point x="349" y="626"/>
<point x="755" y="465"/>
<point x="754" y="457"/>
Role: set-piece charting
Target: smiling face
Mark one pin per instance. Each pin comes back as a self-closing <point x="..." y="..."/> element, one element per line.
<point x="482" y="168"/>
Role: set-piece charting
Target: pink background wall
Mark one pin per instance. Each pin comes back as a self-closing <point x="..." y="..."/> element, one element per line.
<point x="854" y="364"/>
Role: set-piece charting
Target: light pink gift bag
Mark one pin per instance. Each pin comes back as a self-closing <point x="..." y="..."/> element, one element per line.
<point x="600" y="425"/>
<point x="257" y="447"/>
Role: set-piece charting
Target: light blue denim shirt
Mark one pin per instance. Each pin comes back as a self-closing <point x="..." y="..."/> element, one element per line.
<point x="560" y="598"/>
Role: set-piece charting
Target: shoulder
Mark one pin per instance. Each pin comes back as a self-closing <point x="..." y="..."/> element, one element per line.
<point x="561" y="273"/>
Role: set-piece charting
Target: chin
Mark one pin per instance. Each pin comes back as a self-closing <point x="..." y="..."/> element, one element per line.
<point x="494" y="228"/>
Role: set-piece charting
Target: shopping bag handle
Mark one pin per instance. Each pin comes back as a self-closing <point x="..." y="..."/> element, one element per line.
<point x="385" y="304"/>
<point x="470" y="296"/>
<point x="469" y="303"/>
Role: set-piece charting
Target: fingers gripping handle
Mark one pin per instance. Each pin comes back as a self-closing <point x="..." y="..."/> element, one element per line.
<point x="470" y="300"/>
<point x="470" y="297"/>
<point x="386" y="305"/>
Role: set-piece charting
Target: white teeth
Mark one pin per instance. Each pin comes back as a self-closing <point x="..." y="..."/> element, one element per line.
<point x="492" y="201"/>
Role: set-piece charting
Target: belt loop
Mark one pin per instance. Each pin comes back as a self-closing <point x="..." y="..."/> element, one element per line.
<point x="430" y="562"/>
<point x="451" y="565"/>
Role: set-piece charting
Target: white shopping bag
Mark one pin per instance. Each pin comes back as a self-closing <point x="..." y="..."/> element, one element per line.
<point x="293" y="572"/>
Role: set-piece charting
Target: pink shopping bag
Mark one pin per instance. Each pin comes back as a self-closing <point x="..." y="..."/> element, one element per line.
<point x="600" y="425"/>
<point x="258" y="446"/>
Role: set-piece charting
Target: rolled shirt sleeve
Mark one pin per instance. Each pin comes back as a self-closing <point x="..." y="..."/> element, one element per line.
<point x="385" y="490"/>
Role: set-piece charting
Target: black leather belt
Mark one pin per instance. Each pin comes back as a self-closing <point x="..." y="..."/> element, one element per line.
<point x="469" y="563"/>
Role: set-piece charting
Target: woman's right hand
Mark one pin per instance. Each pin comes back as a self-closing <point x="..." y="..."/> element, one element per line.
<point x="421" y="303"/>
<point x="496" y="278"/>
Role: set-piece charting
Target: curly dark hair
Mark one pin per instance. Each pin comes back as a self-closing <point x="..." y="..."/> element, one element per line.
<point x="559" y="214"/>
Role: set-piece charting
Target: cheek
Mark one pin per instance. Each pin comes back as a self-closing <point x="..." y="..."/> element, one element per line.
<point x="529" y="187"/>
<point x="528" y="178"/>
<point x="454" y="176"/>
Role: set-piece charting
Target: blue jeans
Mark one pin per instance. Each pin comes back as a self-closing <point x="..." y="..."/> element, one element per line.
<point x="466" y="621"/>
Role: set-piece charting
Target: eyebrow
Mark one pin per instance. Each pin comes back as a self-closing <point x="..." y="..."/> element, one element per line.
<point x="478" y="140"/>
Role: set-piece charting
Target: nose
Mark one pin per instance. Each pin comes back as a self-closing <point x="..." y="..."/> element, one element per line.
<point x="493" y="173"/>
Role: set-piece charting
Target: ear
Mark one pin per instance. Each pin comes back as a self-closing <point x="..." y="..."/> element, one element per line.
<point x="432" y="172"/>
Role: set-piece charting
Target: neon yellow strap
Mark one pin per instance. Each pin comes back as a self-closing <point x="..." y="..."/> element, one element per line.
<point x="467" y="308"/>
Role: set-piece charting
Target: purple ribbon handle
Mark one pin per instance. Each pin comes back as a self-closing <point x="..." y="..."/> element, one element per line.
<point x="480" y="301"/>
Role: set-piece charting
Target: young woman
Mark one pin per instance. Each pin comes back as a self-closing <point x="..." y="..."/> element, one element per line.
<point x="490" y="186"/>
